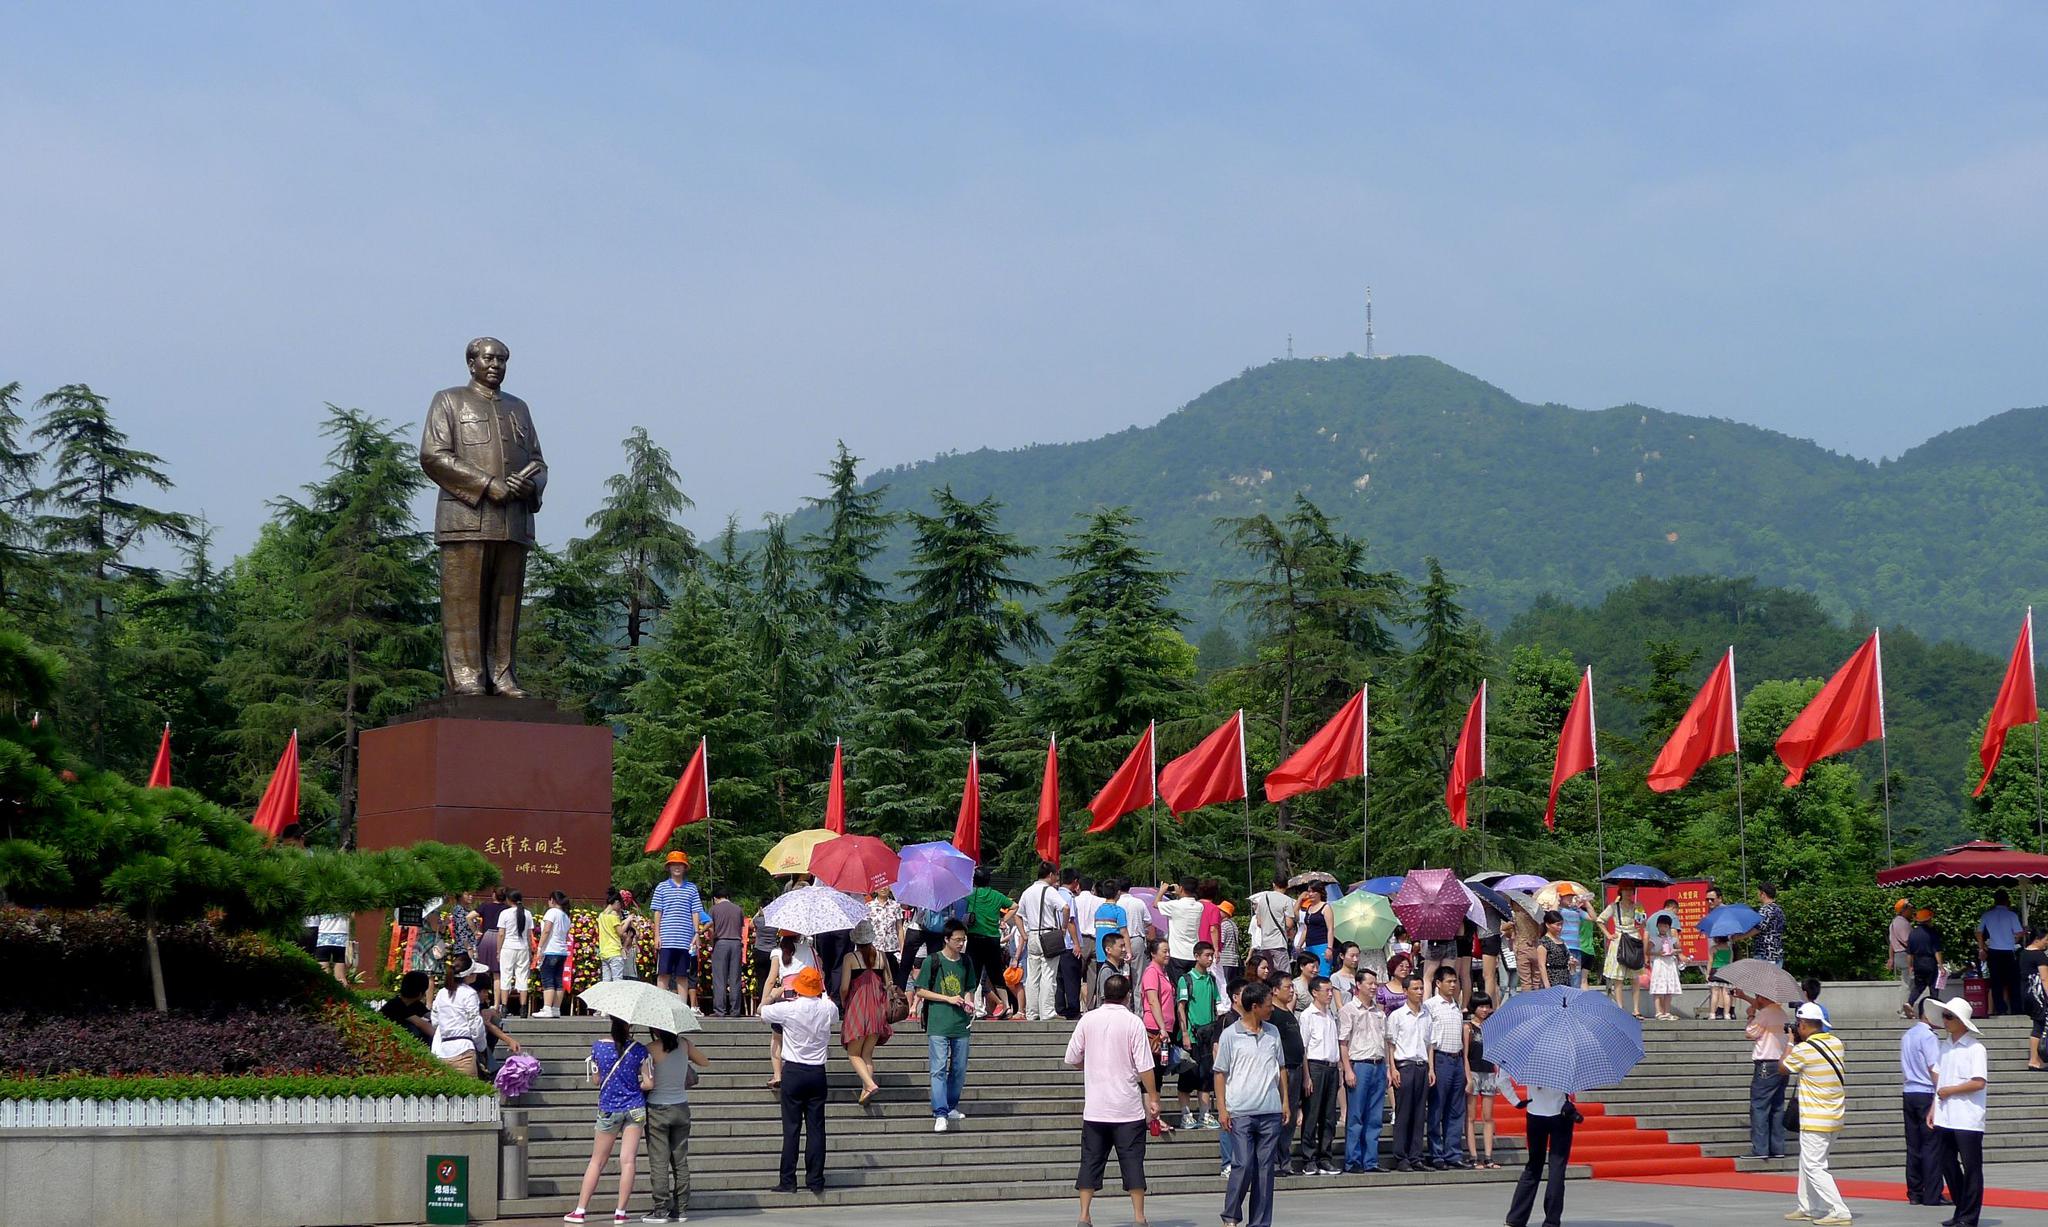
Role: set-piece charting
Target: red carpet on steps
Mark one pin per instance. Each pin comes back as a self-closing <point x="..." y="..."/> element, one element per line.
<point x="1865" y="1190"/>
<point x="1615" y="1148"/>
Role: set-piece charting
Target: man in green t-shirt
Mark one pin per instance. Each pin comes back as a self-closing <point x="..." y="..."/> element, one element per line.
<point x="1201" y="999"/>
<point x="946" y="984"/>
<point x="988" y="910"/>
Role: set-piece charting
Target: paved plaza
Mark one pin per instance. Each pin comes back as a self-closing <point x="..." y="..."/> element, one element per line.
<point x="1589" y="1203"/>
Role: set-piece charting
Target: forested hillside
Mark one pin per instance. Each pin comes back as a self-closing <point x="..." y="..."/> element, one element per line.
<point x="1523" y="500"/>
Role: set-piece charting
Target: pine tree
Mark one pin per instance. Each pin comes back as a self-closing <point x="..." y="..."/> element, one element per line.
<point x="24" y="574"/>
<point x="1321" y="625"/>
<point x="700" y="681"/>
<point x="90" y="527"/>
<point x="635" y="534"/>
<point x="565" y="643"/>
<point x="856" y="529"/>
<point x="354" y="642"/>
<point x="785" y="630"/>
<point x="965" y="607"/>
<point x="177" y="636"/>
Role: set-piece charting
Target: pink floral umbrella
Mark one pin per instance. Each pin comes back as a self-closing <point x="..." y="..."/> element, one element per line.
<point x="1432" y="903"/>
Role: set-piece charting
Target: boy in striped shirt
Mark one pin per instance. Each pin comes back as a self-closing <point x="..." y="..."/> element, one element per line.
<point x="1816" y="1056"/>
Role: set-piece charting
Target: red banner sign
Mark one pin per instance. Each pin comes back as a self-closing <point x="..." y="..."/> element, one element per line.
<point x="1689" y="901"/>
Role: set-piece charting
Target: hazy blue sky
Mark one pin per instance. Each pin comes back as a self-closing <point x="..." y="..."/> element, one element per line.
<point x="756" y="228"/>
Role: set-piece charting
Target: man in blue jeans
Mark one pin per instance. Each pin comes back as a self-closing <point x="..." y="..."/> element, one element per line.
<point x="1766" y="1032"/>
<point x="1255" y="1104"/>
<point x="1447" y="1093"/>
<point x="1362" y="1031"/>
<point x="945" y="985"/>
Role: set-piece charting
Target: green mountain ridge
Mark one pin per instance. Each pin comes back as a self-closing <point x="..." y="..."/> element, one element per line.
<point x="1523" y="500"/>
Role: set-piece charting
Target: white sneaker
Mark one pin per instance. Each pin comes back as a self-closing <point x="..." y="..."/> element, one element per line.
<point x="1226" y="1171"/>
<point x="956" y="1114"/>
<point x="938" y="1124"/>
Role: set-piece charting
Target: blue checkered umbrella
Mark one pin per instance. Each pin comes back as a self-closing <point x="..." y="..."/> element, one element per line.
<point x="1564" y="1038"/>
<point x="1388" y="886"/>
<point x="1642" y="875"/>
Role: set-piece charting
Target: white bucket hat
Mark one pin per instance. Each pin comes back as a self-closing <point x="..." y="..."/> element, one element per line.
<point x="1956" y="1008"/>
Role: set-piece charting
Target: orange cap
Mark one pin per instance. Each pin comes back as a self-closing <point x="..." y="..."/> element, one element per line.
<point x="808" y="983"/>
<point x="678" y="858"/>
<point x="1900" y="907"/>
<point x="1227" y="908"/>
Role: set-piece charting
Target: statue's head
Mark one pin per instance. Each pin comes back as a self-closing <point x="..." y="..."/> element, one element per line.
<point x="487" y="358"/>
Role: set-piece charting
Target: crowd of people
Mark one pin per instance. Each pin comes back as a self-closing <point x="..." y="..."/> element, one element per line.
<point x="1264" y="1025"/>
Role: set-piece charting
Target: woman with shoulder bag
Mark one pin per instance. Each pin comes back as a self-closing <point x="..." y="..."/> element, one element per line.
<point x="666" y="1078"/>
<point x="1624" y="924"/>
<point x="614" y="1067"/>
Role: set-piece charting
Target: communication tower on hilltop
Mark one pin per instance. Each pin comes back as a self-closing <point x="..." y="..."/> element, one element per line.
<point x="1290" y="347"/>
<point x="1368" y="322"/>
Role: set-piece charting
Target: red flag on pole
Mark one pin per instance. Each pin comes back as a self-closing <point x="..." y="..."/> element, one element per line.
<point x="160" y="771"/>
<point x="1705" y="732"/>
<point x="967" y="828"/>
<point x="1048" y="841"/>
<point x="1576" y="745"/>
<point x="1468" y="763"/>
<point x="1212" y="772"/>
<point x="1334" y="752"/>
<point x="280" y="805"/>
<point x="2016" y="703"/>
<point x="688" y="802"/>
<point x="1848" y="712"/>
<point x="1133" y="787"/>
<point x="835" y="793"/>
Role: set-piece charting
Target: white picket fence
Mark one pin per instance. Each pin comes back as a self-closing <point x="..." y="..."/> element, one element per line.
<point x="332" y="1110"/>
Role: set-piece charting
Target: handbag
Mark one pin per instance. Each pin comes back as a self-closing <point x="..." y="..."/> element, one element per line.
<point x="1628" y="952"/>
<point x="1051" y="942"/>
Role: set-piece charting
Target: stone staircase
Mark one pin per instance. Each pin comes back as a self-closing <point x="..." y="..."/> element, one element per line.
<point x="1685" y="1110"/>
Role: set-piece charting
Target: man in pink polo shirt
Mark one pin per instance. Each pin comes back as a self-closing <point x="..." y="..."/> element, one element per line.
<point x="1114" y="1054"/>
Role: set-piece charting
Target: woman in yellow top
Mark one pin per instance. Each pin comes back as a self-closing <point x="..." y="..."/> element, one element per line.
<point x="1624" y="918"/>
<point x="611" y="950"/>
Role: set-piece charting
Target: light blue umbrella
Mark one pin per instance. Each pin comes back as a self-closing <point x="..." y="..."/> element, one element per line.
<point x="1564" y="1038"/>
<point x="934" y="876"/>
<point x="1729" y="920"/>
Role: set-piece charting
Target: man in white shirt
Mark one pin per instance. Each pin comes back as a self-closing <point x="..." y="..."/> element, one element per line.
<point x="1067" y="1001"/>
<point x="1273" y="916"/>
<point x="1362" y="1030"/>
<point x="1411" y="1073"/>
<point x="1999" y="937"/>
<point x="1447" y="1088"/>
<point x="1315" y="1152"/>
<point x="807" y="1021"/>
<point x="1960" y="1075"/>
<point x="1047" y="919"/>
<point x="1551" y="1116"/>
<point x="1183" y="913"/>
<point x="1086" y="901"/>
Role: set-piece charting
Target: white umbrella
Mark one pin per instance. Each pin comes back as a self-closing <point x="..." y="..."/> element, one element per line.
<point x="640" y="1004"/>
<point x="815" y="909"/>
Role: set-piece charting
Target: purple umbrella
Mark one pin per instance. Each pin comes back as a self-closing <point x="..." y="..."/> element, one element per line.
<point x="1432" y="904"/>
<point x="1522" y="881"/>
<point x="934" y="876"/>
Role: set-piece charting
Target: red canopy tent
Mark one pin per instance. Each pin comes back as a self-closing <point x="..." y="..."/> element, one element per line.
<point x="1982" y="862"/>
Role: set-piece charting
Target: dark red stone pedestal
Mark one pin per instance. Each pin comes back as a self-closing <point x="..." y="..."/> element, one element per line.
<point x="521" y="781"/>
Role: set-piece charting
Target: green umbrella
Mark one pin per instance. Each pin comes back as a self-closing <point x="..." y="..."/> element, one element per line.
<point x="1363" y="917"/>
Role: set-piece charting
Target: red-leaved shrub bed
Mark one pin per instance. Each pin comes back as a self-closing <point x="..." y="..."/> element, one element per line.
<point x="250" y="1015"/>
<point x="145" y="1042"/>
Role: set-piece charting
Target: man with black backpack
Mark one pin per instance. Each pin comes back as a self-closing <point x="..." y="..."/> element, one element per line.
<point x="1200" y="997"/>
